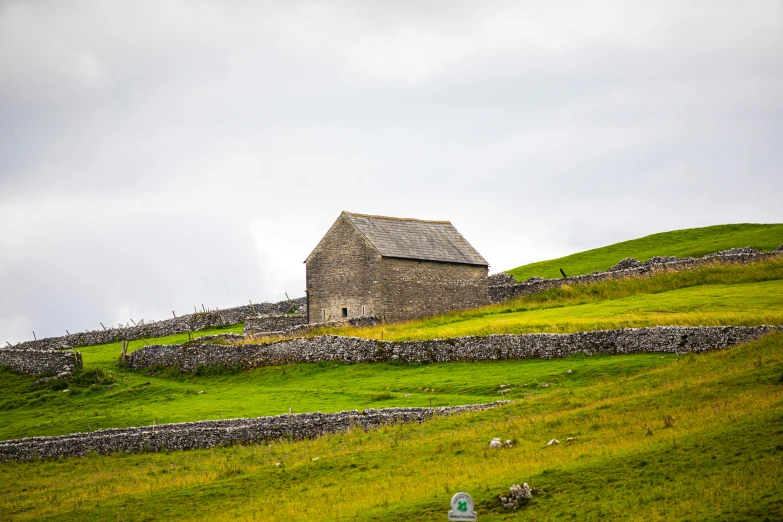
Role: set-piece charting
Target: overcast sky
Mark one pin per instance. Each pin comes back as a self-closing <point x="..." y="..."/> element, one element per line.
<point x="160" y="155"/>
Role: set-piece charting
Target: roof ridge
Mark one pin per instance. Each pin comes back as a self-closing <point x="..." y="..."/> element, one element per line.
<point x="397" y="218"/>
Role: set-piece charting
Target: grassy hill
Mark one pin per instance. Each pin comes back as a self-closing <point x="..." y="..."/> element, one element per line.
<point x="655" y="436"/>
<point x="692" y="242"/>
<point x="695" y="437"/>
<point x="719" y="295"/>
<point x="741" y="295"/>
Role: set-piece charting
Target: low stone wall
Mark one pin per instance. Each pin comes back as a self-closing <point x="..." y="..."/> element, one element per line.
<point x="175" y="325"/>
<point x="208" y="434"/>
<point x="35" y="362"/>
<point x="272" y="323"/>
<point x="668" y="339"/>
<point x="304" y="327"/>
<point x="627" y="268"/>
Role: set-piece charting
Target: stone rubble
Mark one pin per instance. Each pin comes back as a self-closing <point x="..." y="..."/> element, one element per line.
<point x="518" y="495"/>
<point x="625" y="264"/>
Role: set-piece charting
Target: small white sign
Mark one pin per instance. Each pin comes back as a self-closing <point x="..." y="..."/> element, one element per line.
<point x="462" y="507"/>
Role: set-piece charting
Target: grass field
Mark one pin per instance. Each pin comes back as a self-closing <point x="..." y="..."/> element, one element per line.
<point x="694" y="242"/>
<point x="710" y="296"/>
<point x="718" y="295"/>
<point x="31" y="410"/>
<point x="719" y="458"/>
<point x="656" y="437"/>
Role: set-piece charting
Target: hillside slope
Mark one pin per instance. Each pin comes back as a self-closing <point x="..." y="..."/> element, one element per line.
<point x="692" y="242"/>
<point x="698" y="437"/>
<point x="108" y="396"/>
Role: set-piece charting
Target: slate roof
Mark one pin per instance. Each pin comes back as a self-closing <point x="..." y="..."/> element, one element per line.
<point x="416" y="239"/>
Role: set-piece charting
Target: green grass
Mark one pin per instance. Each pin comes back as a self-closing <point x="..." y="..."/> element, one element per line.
<point x="694" y="242"/>
<point x="31" y="410"/>
<point x="709" y="296"/>
<point x="106" y="354"/>
<point x="720" y="460"/>
<point x="718" y="295"/>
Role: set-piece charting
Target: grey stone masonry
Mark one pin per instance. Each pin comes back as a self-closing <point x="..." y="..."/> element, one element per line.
<point x="500" y="291"/>
<point x="663" y="339"/>
<point x="208" y="434"/>
<point x="34" y="362"/>
<point x="183" y="324"/>
<point x="272" y="323"/>
<point x="392" y="268"/>
<point x="304" y="328"/>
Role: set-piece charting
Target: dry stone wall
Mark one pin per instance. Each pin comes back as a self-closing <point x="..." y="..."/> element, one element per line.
<point x="175" y="325"/>
<point x="664" y="339"/>
<point x="266" y="324"/>
<point x="208" y="434"/>
<point x="304" y="328"/>
<point x="501" y="288"/>
<point x="35" y="362"/>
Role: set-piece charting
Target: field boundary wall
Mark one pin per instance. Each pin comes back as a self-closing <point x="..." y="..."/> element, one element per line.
<point x="208" y="434"/>
<point x="351" y="350"/>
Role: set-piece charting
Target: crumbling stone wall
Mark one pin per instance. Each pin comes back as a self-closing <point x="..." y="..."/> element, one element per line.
<point x="500" y="291"/>
<point x="208" y="434"/>
<point x="34" y="362"/>
<point x="178" y="325"/>
<point x="663" y="339"/>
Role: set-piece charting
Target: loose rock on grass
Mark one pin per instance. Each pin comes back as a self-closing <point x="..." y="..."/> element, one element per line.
<point x="518" y="495"/>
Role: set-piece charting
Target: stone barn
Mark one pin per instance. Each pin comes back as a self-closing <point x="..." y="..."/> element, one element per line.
<point x="393" y="268"/>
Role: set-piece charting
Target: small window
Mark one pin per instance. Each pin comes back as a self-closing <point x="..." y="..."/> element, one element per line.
<point x="345" y="312"/>
<point x="363" y="312"/>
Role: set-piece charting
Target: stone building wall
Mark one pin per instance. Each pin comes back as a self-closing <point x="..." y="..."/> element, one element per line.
<point x="412" y="288"/>
<point x="350" y="350"/>
<point x="35" y="362"/>
<point x="343" y="272"/>
<point x="208" y="434"/>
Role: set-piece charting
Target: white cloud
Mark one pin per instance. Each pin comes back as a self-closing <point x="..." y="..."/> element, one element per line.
<point x="160" y="156"/>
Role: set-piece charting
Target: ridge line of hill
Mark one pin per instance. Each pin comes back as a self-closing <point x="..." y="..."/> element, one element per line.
<point x="690" y="242"/>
